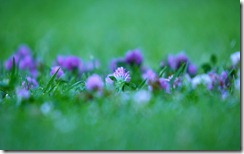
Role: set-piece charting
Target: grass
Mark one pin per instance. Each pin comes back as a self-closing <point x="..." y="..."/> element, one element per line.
<point x="184" y="120"/>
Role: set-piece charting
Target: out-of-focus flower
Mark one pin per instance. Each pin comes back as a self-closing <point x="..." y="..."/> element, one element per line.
<point x="164" y="84"/>
<point x="55" y="69"/>
<point x="134" y="57"/>
<point x="94" y="83"/>
<point x="68" y="62"/>
<point x="192" y="69"/>
<point x="172" y="62"/>
<point x="142" y="97"/>
<point x="108" y="81"/>
<point x="46" y="108"/>
<point x="91" y="65"/>
<point x="23" y="51"/>
<point x="150" y="75"/>
<point x="122" y="75"/>
<point x="115" y="63"/>
<point x="27" y="63"/>
<point x="181" y="58"/>
<point x="30" y="83"/>
<point x="9" y="62"/>
<point x="22" y="93"/>
<point x="224" y="94"/>
<point x="235" y="58"/>
<point x="201" y="79"/>
<point x="24" y="60"/>
<point x="177" y="82"/>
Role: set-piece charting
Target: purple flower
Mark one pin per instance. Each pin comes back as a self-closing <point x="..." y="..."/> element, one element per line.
<point x="23" y="51"/>
<point x="55" y="69"/>
<point x="223" y="79"/>
<point x="192" y="69"/>
<point x="22" y="93"/>
<point x="150" y="75"/>
<point x="72" y="62"/>
<point x="69" y="62"/>
<point x="8" y="64"/>
<point x="172" y="62"/>
<point x="91" y="65"/>
<point x="94" y="83"/>
<point x="60" y="60"/>
<point x="27" y="63"/>
<point x="181" y="58"/>
<point x="224" y="75"/>
<point x="122" y="75"/>
<point x="115" y="63"/>
<point x="175" y="62"/>
<point x="29" y="83"/>
<point x="134" y="57"/>
<point x="164" y="84"/>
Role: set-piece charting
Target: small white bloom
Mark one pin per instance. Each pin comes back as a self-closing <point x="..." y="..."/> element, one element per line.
<point x="45" y="108"/>
<point x="142" y="97"/>
<point x="235" y="57"/>
<point x="201" y="79"/>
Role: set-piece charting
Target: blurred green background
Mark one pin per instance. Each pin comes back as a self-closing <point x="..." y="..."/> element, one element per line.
<point x="109" y="28"/>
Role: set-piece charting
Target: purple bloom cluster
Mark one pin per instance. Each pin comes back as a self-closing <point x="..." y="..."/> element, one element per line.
<point x="69" y="62"/>
<point x="23" y="59"/>
<point x="134" y="57"/>
<point x="94" y="83"/>
<point x="154" y="82"/>
<point x="175" y="61"/>
<point x="22" y="93"/>
<point x="131" y="58"/>
<point x="30" y="83"/>
<point x="54" y="69"/>
<point x="121" y="77"/>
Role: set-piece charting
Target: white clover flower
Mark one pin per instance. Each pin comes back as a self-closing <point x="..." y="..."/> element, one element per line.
<point x="201" y="79"/>
<point x="235" y="58"/>
<point x="142" y="97"/>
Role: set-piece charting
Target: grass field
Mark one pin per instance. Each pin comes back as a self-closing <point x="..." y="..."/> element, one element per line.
<point x="183" y="120"/>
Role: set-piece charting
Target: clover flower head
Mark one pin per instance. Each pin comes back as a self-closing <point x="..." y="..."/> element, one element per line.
<point x="150" y="75"/>
<point x="172" y="62"/>
<point x="235" y="58"/>
<point x="8" y="64"/>
<point x="181" y="57"/>
<point x="23" y="51"/>
<point x="94" y="83"/>
<point x="115" y="63"/>
<point x="164" y="84"/>
<point x="122" y="75"/>
<point x="192" y="69"/>
<point x="134" y="57"/>
<point x="29" y="83"/>
<point x="68" y="62"/>
<point x="55" y="69"/>
<point x="27" y="62"/>
<point x="22" y="93"/>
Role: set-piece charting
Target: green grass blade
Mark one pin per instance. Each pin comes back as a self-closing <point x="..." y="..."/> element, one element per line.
<point x="73" y="85"/>
<point x="50" y="81"/>
<point x="162" y="71"/>
<point x="181" y="70"/>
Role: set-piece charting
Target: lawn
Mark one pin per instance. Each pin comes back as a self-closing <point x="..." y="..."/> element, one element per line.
<point x="68" y="119"/>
